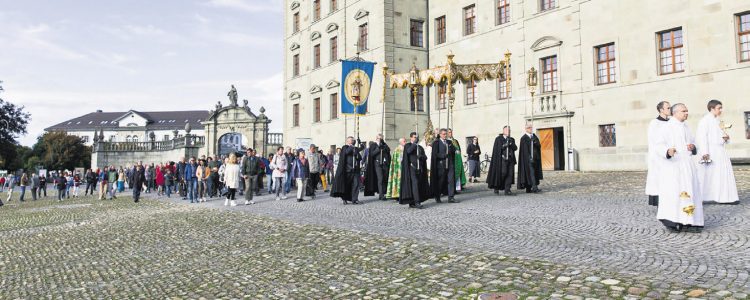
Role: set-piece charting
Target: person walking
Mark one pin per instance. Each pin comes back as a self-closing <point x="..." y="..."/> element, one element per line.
<point x="159" y="180"/>
<point x="290" y="157"/>
<point x="23" y="184"/>
<point x="112" y="180"/>
<point x="2" y="183"/>
<point x="191" y="181"/>
<point x="102" y="183"/>
<point x="34" y="186"/>
<point x="301" y="173"/>
<point x="90" y="178"/>
<point x="11" y="182"/>
<point x="168" y="182"/>
<point x="199" y="172"/>
<point x="250" y="169"/>
<point x="279" y="166"/>
<point x="473" y="151"/>
<point x="61" y="186"/>
<point x="139" y="179"/>
<point x="269" y="173"/>
<point x="76" y="184"/>
<point x="43" y="186"/>
<point x="313" y="165"/>
<point x="231" y="179"/>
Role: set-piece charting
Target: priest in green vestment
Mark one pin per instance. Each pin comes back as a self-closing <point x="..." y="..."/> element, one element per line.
<point x="460" y="174"/>
<point x="394" y="174"/>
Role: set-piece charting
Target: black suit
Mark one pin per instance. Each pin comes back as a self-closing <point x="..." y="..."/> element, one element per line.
<point x="502" y="166"/>
<point x="442" y="169"/>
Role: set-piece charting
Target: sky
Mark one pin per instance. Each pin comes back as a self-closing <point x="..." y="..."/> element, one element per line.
<point x="61" y="59"/>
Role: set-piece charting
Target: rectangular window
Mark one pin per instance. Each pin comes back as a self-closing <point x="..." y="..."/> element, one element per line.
<point x="420" y="100"/>
<point x="548" y="4"/>
<point x="316" y="111"/>
<point x="549" y="74"/>
<point x="504" y="87"/>
<point x="416" y="33"/>
<point x="503" y="12"/>
<point x="334" y="106"/>
<point x="334" y="49"/>
<point x="442" y="95"/>
<point x="316" y="10"/>
<point x="295" y="19"/>
<point x="471" y="92"/>
<point x="607" y="135"/>
<point x="295" y="65"/>
<point x="470" y="19"/>
<point x="671" y="55"/>
<point x="295" y="115"/>
<point x="747" y="125"/>
<point x="605" y="64"/>
<point x="440" y="30"/>
<point x="362" y="42"/>
<point x="166" y="137"/>
<point x="334" y="5"/>
<point x="85" y="139"/>
<point x="316" y="56"/>
<point x="743" y="30"/>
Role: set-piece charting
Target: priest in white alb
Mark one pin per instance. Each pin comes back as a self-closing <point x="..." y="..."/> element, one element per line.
<point x="715" y="169"/>
<point x="654" y="138"/>
<point x="680" y="203"/>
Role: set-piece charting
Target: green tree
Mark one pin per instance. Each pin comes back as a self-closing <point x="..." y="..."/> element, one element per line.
<point x="60" y="151"/>
<point x="13" y="122"/>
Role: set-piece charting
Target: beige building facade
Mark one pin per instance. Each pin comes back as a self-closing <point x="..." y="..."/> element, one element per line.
<point x="602" y="67"/>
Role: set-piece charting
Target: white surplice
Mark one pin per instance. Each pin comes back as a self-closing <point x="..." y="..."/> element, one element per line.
<point x="654" y="139"/>
<point x="679" y="189"/>
<point x="717" y="178"/>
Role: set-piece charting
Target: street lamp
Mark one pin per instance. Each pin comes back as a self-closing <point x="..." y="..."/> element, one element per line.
<point x="414" y="84"/>
<point x="531" y="82"/>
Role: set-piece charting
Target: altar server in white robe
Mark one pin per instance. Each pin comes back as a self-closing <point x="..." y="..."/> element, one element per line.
<point x="715" y="170"/>
<point x="654" y="139"/>
<point x="680" y="203"/>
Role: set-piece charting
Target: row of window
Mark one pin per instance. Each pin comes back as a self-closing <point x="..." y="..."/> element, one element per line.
<point x="333" y="51"/>
<point x="333" y="106"/>
<point x="333" y="6"/>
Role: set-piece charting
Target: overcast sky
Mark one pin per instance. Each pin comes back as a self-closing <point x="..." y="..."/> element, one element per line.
<point x="65" y="58"/>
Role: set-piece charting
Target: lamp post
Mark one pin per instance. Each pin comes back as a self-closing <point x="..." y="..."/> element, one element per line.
<point x="505" y="72"/>
<point x="382" y="100"/>
<point x="414" y="85"/>
<point x="531" y="82"/>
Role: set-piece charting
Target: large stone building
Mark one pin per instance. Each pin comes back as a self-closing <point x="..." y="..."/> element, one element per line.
<point x="602" y="67"/>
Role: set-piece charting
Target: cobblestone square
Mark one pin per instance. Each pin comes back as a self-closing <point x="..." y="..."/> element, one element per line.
<point x="588" y="235"/>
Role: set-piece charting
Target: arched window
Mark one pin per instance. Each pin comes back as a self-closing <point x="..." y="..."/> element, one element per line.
<point x="135" y="139"/>
<point x="128" y="139"/>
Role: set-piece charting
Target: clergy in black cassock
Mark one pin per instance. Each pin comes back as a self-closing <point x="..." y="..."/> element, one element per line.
<point x="376" y="172"/>
<point x="346" y="180"/>
<point x="502" y="166"/>
<point x="442" y="168"/>
<point x="530" y="162"/>
<point x="414" y="186"/>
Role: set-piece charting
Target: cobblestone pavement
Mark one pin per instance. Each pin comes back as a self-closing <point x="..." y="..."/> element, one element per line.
<point x="583" y="238"/>
<point x="586" y="219"/>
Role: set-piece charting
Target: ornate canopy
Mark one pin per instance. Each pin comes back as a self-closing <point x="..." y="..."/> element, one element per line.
<point x="450" y="72"/>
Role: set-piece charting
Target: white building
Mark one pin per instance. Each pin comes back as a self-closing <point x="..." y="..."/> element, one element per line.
<point x="602" y="67"/>
<point x="133" y="126"/>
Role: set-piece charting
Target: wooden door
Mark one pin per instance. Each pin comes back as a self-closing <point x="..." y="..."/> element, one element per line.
<point x="547" y="139"/>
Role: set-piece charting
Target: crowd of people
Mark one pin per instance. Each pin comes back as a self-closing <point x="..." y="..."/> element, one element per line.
<point x="686" y="170"/>
<point x="416" y="171"/>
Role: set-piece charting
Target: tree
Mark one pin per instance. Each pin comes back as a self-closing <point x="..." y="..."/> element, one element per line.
<point x="13" y="122"/>
<point x="60" y="151"/>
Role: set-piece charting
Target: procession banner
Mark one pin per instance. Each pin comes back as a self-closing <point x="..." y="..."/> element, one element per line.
<point x="356" y="77"/>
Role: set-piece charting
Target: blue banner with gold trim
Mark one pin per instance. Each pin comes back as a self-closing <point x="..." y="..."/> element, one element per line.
<point x="356" y="79"/>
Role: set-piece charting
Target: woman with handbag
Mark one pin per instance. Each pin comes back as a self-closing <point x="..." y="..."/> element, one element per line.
<point x="231" y="179"/>
<point x="300" y="173"/>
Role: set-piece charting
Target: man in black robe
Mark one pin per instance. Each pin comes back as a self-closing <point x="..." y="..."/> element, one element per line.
<point x="442" y="168"/>
<point x="414" y="186"/>
<point x="502" y="165"/>
<point x="138" y="178"/>
<point x="346" y="182"/>
<point x="376" y="171"/>
<point x="530" y="161"/>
